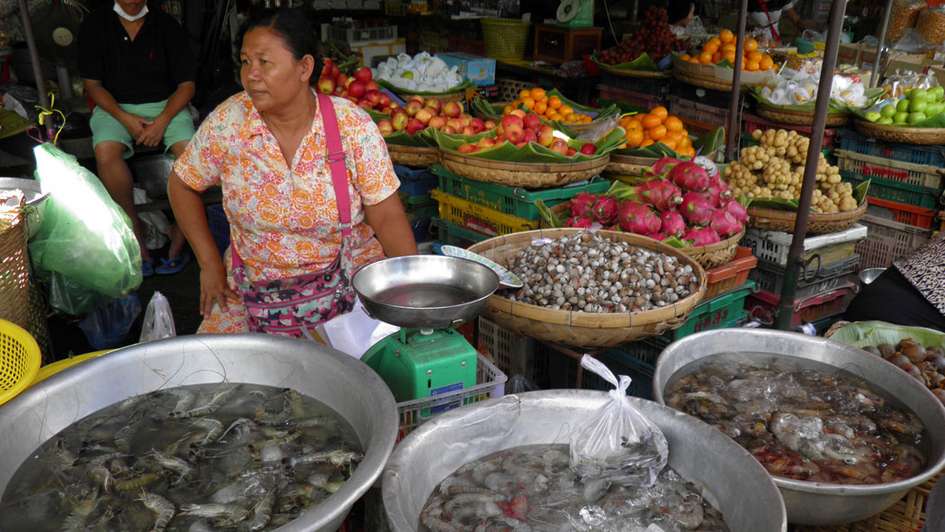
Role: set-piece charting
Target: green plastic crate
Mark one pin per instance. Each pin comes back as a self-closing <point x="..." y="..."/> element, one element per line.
<point x="454" y="235"/>
<point x="727" y="310"/>
<point x="422" y="200"/>
<point x="892" y="190"/>
<point x="510" y="200"/>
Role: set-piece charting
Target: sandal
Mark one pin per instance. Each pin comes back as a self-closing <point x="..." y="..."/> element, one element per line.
<point x="173" y="266"/>
<point x="147" y="267"/>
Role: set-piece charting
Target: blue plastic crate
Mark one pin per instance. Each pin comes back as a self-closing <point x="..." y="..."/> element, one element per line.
<point x="415" y="181"/>
<point x="931" y="155"/>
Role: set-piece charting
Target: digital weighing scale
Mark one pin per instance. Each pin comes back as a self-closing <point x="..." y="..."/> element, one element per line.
<point x="427" y="296"/>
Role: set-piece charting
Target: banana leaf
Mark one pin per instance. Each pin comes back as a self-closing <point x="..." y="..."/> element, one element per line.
<point x="547" y="215"/>
<point x="422" y="139"/>
<point x="860" y="191"/>
<point x="377" y="117"/>
<point x="400" y="90"/>
<point x="485" y="110"/>
<point x="644" y="62"/>
<point x="873" y="333"/>
<point x="531" y="153"/>
<point x="12" y="124"/>
<point x="676" y="242"/>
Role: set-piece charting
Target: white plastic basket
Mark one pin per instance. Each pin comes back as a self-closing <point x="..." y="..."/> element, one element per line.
<point x="773" y="246"/>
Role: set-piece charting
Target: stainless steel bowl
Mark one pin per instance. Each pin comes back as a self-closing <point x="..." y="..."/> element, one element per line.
<point x="739" y="486"/>
<point x="424" y="291"/>
<point x="820" y="503"/>
<point x="35" y="200"/>
<point x="868" y="275"/>
<point x="343" y="383"/>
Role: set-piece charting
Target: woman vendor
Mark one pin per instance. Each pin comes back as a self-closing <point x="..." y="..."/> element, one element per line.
<point x="308" y="187"/>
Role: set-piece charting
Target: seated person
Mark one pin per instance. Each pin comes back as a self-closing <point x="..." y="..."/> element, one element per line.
<point x="139" y="71"/>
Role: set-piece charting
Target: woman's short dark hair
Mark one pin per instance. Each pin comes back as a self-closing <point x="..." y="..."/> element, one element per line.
<point x="293" y="26"/>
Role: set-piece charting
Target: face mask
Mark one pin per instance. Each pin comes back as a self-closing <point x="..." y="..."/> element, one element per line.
<point x="130" y="18"/>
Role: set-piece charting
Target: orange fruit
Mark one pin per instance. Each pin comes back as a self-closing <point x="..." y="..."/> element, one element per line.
<point x="755" y="56"/>
<point x="650" y="121"/>
<point x="657" y="133"/>
<point x="714" y="42"/>
<point x="565" y="110"/>
<point x="730" y="57"/>
<point x="705" y="58"/>
<point x="751" y="44"/>
<point x="647" y="142"/>
<point x="507" y="109"/>
<point x="669" y="143"/>
<point x="634" y="137"/>
<point x="660" y="112"/>
<point x="751" y="66"/>
<point x="538" y="93"/>
<point x="766" y="63"/>
<point x="541" y="107"/>
<point x="730" y="47"/>
<point x="711" y="47"/>
<point x="525" y="93"/>
<point x="673" y="123"/>
<point x="685" y="57"/>
<point x="716" y="58"/>
<point x="528" y="103"/>
<point x="554" y="102"/>
<point x="726" y="36"/>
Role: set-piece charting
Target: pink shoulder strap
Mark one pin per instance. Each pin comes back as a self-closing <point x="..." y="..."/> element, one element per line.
<point x="336" y="162"/>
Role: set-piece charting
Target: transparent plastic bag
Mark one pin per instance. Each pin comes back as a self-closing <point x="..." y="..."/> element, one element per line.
<point x="158" y="320"/>
<point x="599" y="130"/>
<point x="619" y="445"/>
<point x="85" y="247"/>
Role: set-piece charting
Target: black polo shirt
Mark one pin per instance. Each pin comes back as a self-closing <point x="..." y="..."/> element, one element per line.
<point x="147" y="69"/>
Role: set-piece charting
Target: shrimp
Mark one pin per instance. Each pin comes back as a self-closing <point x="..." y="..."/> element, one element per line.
<point x="171" y="463"/>
<point x="432" y="517"/>
<point x="136" y="483"/>
<point x="222" y="514"/>
<point x="80" y="513"/>
<point x="212" y="427"/>
<point x="101" y="475"/>
<point x="325" y="482"/>
<point x="242" y="428"/>
<point x="262" y="511"/>
<point x="163" y="509"/>
<point x="214" y="404"/>
<point x="337" y="457"/>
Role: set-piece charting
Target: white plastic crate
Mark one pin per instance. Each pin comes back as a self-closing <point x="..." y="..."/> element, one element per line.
<point x="773" y="246"/>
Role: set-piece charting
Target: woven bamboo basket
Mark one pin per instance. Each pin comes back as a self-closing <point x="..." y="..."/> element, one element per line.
<point x="413" y="155"/>
<point x="799" y="118"/>
<point x="902" y="135"/>
<point x="628" y="164"/>
<point x="525" y="175"/>
<point x="581" y="328"/>
<point x="705" y="83"/>
<point x="819" y="224"/>
<point x="455" y="96"/>
<point x="14" y="273"/>
<point x="628" y="73"/>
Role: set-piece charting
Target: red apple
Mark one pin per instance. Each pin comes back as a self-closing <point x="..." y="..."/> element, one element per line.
<point x="519" y="113"/>
<point x="372" y="86"/>
<point x="424" y="115"/>
<point x="571" y="152"/>
<point x="373" y="96"/>
<point x="478" y="124"/>
<point x="509" y="120"/>
<point x="588" y="149"/>
<point x="356" y="89"/>
<point x="385" y="100"/>
<point x="415" y="98"/>
<point x="469" y="131"/>
<point x="399" y="119"/>
<point x="467" y="148"/>
<point x="342" y="80"/>
<point x="449" y="131"/>
<point x="335" y="72"/>
<point x="521" y="144"/>
<point x="366" y="105"/>
<point x="363" y="75"/>
<point x="456" y="124"/>
<point x="560" y="146"/>
<point x="490" y="124"/>
<point x="546" y="136"/>
<point x="434" y="104"/>
<point x="414" y="125"/>
<point x="466" y="120"/>
<point x="486" y="142"/>
<point x="386" y="127"/>
<point x="452" y="109"/>
<point x="515" y="133"/>
<point x="326" y="85"/>
<point x="339" y="90"/>
<point x="413" y="107"/>
<point x="532" y="121"/>
<point x="530" y="135"/>
<point x="437" y="122"/>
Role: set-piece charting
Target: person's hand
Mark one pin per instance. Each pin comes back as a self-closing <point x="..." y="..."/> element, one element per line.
<point x="214" y="290"/>
<point x="134" y="124"/>
<point x="153" y="133"/>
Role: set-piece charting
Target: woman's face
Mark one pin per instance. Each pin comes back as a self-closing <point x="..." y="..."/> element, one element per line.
<point x="270" y="73"/>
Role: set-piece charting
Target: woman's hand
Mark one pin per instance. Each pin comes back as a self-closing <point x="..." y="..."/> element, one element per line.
<point x="214" y="290"/>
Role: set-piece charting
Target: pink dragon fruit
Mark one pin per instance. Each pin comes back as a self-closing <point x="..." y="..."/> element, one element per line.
<point x="690" y="176"/>
<point x="580" y="222"/>
<point x="725" y="223"/>
<point x="702" y="236"/>
<point x="738" y="211"/>
<point x="638" y="218"/>
<point x="660" y="193"/>
<point x="718" y="192"/>
<point x="605" y="210"/>
<point x="696" y="208"/>
<point x="582" y="205"/>
<point x="673" y="223"/>
<point x="663" y="166"/>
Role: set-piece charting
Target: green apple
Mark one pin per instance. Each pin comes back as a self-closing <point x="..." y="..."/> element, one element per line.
<point x="918" y="105"/>
<point x="915" y="118"/>
<point x="903" y="105"/>
<point x="937" y="93"/>
<point x="886" y="121"/>
<point x="873" y="116"/>
<point x="901" y="117"/>
<point x="920" y="94"/>
<point x="934" y="109"/>
<point x="888" y="110"/>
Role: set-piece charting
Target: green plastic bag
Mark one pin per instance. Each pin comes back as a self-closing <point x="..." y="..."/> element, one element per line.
<point x="85" y="250"/>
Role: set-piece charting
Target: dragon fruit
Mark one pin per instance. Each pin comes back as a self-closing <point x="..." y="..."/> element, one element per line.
<point x="582" y="205"/>
<point x="663" y="166"/>
<point x="638" y="218"/>
<point x="660" y="193"/>
<point x="738" y="211"/>
<point x="725" y="223"/>
<point x="702" y="236"/>
<point x="605" y="210"/>
<point x="690" y="176"/>
<point x="696" y="208"/>
<point x="718" y="192"/>
<point x="580" y="222"/>
<point x="673" y="223"/>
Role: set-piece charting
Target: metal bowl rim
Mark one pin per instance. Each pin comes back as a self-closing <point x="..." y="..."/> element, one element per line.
<point x="829" y="488"/>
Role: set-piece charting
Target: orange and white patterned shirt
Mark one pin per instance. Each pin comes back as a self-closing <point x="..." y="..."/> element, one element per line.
<point x="284" y="222"/>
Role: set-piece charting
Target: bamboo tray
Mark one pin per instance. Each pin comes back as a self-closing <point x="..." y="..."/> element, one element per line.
<point x="819" y="224"/>
<point x="525" y="175"/>
<point x="584" y="329"/>
<point x="799" y="118"/>
<point x="413" y="155"/>
<point x="902" y="135"/>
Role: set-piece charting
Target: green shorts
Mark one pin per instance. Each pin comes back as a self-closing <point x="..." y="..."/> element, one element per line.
<point x="106" y="128"/>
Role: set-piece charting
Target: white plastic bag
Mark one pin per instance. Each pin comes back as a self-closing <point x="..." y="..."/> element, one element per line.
<point x="158" y="320"/>
<point x="354" y="332"/>
<point x="619" y="445"/>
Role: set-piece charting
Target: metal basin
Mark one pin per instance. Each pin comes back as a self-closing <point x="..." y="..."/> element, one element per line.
<point x="869" y="275"/>
<point x="35" y="200"/>
<point x="425" y="291"/>
<point x="740" y="487"/>
<point x="821" y="503"/>
<point x="343" y="383"/>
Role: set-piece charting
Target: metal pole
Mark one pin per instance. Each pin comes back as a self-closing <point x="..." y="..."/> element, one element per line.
<point x="34" y="53"/>
<point x="734" y="120"/>
<point x="786" y="311"/>
<point x="874" y="77"/>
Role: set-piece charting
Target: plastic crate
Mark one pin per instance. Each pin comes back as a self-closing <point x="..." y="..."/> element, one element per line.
<point x="928" y="155"/>
<point x="415" y="181"/>
<point x="727" y="310"/>
<point x="809" y="282"/>
<point x="513" y="353"/>
<point x="773" y="246"/>
<point x="490" y="384"/>
<point x="888" y="241"/>
<point x="509" y="89"/>
<point x="510" y="200"/>
<point x="763" y="306"/>
<point x="359" y="35"/>
<point x="454" y="235"/>
<point x="728" y="277"/>
<point x="889" y="170"/>
<point x="479" y="218"/>
<point x="752" y="122"/>
<point x="901" y="212"/>
<point x="565" y="371"/>
<point x="622" y="363"/>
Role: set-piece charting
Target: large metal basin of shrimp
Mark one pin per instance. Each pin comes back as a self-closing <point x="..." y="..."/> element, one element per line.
<point x="315" y="371"/>
<point x="738" y="484"/>
<point x="821" y="503"/>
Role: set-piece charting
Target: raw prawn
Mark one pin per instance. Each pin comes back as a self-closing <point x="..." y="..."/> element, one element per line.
<point x="163" y="509"/>
<point x="214" y="404"/>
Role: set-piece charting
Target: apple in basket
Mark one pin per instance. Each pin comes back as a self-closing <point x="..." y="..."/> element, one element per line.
<point x="452" y="109"/>
<point x="560" y="146"/>
<point x="413" y="107"/>
<point x="434" y="104"/>
<point x="363" y="75"/>
<point x="424" y="115"/>
<point x="386" y="127"/>
<point x="468" y="148"/>
<point x="437" y="122"/>
<point x="399" y="119"/>
<point x="546" y="136"/>
<point x="326" y="85"/>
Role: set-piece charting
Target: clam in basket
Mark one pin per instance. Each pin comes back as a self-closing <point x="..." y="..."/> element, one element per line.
<point x="582" y="328"/>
